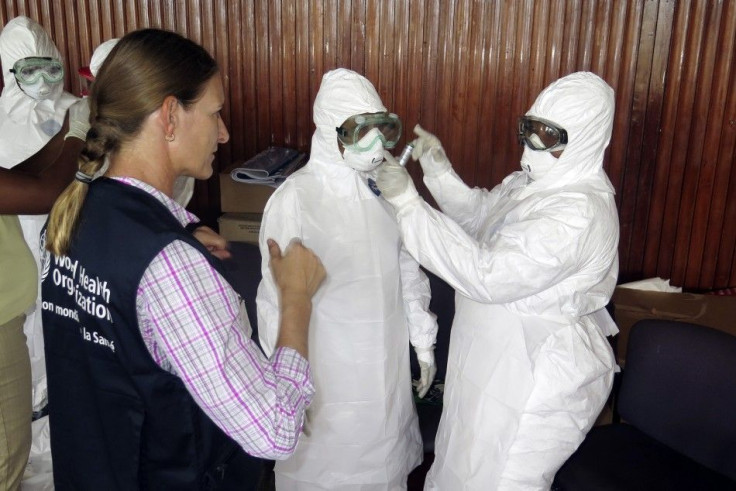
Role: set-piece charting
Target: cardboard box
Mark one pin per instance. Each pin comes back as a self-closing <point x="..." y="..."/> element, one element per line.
<point x="631" y="305"/>
<point x="240" y="227"/>
<point x="239" y="197"/>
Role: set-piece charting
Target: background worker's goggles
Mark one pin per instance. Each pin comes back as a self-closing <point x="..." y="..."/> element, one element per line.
<point x="541" y="134"/>
<point x="354" y="129"/>
<point x="29" y="70"/>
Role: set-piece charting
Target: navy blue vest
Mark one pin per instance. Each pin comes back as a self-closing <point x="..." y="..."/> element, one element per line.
<point x="119" y="421"/>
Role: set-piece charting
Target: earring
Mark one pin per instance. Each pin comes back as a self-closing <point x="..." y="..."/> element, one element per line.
<point x="170" y="138"/>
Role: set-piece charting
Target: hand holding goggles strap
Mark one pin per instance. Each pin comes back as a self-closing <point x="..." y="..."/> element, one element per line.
<point x="541" y="135"/>
<point x="353" y="130"/>
<point x="29" y="70"/>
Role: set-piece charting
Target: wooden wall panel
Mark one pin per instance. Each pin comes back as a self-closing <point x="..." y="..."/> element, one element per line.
<point x="634" y="171"/>
<point x="689" y="223"/>
<point x="465" y="70"/>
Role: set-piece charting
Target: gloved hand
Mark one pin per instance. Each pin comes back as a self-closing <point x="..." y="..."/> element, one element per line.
<point x="395" y="183"/>
<point x="428" y="367"/>
<point x="78" y="120"/>
<point x="430" y="154"/>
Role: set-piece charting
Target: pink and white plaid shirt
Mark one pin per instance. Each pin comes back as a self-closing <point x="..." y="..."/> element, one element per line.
<point x="195" y="326"/>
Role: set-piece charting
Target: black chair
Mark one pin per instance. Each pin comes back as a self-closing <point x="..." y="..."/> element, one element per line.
<point x="677" y="402"/>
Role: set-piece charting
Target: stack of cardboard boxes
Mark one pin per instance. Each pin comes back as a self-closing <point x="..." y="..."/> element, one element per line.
<point x="242" y="205"/>
<point x="633" y="305"/>
<point x="245" y="188"/>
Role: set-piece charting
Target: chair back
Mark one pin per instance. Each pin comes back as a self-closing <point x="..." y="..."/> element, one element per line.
<point x="679" y="387"/>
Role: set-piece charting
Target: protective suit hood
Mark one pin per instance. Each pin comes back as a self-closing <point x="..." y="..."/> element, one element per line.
<point x="583" y="104"/>
<point x="100" y="55"/>
<point x="343" y="93"/>
<point x="21" y="38"/>
<point x="28" y="123"/>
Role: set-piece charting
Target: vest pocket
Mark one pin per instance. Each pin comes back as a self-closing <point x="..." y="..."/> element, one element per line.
<point x="122" y="419"/>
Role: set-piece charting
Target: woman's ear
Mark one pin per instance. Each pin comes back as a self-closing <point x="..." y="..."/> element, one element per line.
<point x="169" y="115"/>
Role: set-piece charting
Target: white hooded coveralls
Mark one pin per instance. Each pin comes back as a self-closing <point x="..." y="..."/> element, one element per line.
<point x="26" y="126"/>
<point x="533" y="264"/>
<point x="361" y="430"/>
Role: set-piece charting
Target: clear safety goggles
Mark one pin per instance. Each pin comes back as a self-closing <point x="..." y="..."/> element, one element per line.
<point x="541" y="134"/>
<point x="29" y="70"/>
<point x="354" y="129"/>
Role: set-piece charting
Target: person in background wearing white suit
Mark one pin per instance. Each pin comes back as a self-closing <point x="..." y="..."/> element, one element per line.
<point x="37" y="160"/>
<point x="534" y="262"/>
<point x="33" y="104"/>
<point x="361" y="431"/>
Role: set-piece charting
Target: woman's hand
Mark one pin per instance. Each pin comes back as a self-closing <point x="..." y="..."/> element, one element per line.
<point x="214" y="242"/>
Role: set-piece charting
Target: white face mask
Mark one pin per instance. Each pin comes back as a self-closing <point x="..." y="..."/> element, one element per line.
<point x="367" y="160"/>
<point x="537" y="164"/>
<point x="39" y="91"/>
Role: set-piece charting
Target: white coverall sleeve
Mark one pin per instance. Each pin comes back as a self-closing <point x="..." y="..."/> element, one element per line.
<point x="520" y="259"/>
<point x="467" y="206"/>
<point x="416" y="292"/>
<point x="281" y="223"/>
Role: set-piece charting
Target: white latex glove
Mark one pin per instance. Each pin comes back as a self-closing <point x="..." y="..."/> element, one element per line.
<point x="395" y="183"/>
<point x="430" y="154"/>
<point x="428" y="367"/>
<point x="78" y="120"/>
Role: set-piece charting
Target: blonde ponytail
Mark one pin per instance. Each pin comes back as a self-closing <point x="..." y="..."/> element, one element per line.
<point x="143" y="68"/>
<point x="65" y="212"/>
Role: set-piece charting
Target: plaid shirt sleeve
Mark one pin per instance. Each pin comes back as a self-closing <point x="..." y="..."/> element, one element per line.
<point x="195" y="326"/>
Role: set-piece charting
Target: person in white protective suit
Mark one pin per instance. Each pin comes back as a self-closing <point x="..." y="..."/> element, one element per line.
<point x="361" y="430"/>
<point x="33" y="105"/>
<point x="534" y="262"/>
<point x="183" y="186"/>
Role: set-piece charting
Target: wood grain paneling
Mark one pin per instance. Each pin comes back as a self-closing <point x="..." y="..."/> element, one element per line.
<point x="465" y="69"/>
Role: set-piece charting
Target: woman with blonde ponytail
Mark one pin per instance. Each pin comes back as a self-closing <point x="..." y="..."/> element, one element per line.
<point x="154" y="382"/>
